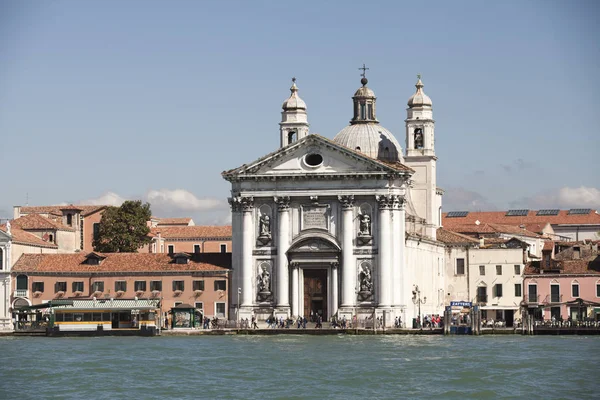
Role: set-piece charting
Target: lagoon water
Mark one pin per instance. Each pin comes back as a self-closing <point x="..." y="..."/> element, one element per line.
<point x="294" y="366"/>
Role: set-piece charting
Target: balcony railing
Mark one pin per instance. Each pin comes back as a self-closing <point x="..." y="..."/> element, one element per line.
<point x="21" y="293"/>
<point x="553" y="298"/>
<point x="533" y="298"/>
<point x="482" y="298"/>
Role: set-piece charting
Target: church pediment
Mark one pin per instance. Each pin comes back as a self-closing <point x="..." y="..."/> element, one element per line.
<point x="314" y="156"/>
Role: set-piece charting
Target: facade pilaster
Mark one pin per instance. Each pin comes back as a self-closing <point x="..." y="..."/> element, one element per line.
<point x="334" y="288"/>
<point x="283" y="244"/>
<point x="295" y="290"/>
<point x="348" y="267"/>
<point x="398" y="249"/>
<point x="247" y="207"/>
<point x="385" y="251"/>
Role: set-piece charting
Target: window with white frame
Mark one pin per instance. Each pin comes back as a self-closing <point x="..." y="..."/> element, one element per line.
<point x="598" y="289"/>
<point x="575" y="289"/>
<point x="178" y="303"/>
<point x="196" y="248"/>
<point x="220" y="310"/>
<point x="517" y="270"/>
<point x="199" y="305"/>
<point x="498" y="269"/>
<point x="498" y="290"/>
<point x="517" y="290"/>
<point x="482" y="270"/>
<point x="171" y="249"/>
<point x="223" y="248"/>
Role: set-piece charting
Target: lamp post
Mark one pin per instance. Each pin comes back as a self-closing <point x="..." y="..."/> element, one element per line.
<point x="417" y="300"/>
<point x="237" y="311"/>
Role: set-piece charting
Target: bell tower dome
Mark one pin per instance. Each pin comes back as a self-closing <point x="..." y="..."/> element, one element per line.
<point x="294" y="121"/>
<point x="420" y="139"/>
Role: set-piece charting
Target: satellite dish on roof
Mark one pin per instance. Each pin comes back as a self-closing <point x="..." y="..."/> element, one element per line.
<point x="477" y="222"/>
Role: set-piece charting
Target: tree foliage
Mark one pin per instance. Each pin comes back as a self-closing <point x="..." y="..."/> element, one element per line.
<point x="123" y="229"/>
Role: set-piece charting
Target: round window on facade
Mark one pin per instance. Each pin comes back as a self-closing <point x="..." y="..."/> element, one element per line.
<point x="313" y="160"/>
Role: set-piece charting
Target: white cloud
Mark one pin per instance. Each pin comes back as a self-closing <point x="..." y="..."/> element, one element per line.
<point x="108" y="198"/>
<point x="564" y="198"/>
<point x="459" y="199"/>
<point x="181" y="199"/>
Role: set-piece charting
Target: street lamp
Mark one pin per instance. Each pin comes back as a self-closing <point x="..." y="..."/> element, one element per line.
<point x="237" y="311"/>
<point x="417" y="300"/>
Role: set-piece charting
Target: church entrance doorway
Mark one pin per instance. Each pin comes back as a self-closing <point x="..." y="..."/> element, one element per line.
<point x="315" y="293"/>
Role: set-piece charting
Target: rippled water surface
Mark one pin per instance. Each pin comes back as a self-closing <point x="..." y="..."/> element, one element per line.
<point x="258" y="367"/>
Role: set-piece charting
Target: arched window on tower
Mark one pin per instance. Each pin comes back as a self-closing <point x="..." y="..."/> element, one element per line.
<point x="418" y="138"/>
<point x="363" y="115"/>
<point x="1" y="259"/>
<point x="291" y="137"/>
<point x="370" y="109"/>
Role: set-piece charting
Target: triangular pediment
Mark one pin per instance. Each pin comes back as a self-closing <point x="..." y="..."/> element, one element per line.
<point x="314" y="155"/>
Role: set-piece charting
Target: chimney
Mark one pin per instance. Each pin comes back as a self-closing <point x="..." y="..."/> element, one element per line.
<point x="16" y="212"/>
<point x="481" y="241"/>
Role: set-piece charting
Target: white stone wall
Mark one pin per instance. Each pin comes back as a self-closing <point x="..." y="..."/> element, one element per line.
<point x="457" y="285"/>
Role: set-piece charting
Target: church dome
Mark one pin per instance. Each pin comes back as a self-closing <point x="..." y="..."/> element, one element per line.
<point x="419" y="99"/>
<point x="372" y="140"/>
<point x="294" y="102"/>
<point x="364" y="134"/>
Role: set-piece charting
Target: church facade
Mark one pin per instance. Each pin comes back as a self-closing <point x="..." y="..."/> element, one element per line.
<point x="343" y="227"/>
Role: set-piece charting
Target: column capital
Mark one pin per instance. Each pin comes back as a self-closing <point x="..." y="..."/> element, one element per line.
<point x="398" y="202"/>
<point x="334" y="264"/>
<point x="283" y="203"/>
<point x="294" y="264"/>
<point x="347" y="201"/>
<point x="245" y="204"/>
<point x="385" y="201"/>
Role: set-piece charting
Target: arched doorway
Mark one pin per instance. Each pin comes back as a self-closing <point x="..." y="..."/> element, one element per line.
<point x="314" y="257"/>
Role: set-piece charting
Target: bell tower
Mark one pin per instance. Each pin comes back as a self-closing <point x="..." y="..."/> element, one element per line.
<point x="294" y="120"/>
<point x="420" y="155"/>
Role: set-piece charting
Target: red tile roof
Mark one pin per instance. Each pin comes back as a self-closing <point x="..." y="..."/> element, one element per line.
<point x="120" y="263"/>
<point x="189" y="232"/>
<point x="19" y="236"/>
<point x="38" y="222"/>
<point x="86" y="210"/>
<point x="499" y="217"/>
<point x="490" y="228"/>
<point x="449" y="237"/>
<point x="548" y="245"/>
<point x="174" y="221"/>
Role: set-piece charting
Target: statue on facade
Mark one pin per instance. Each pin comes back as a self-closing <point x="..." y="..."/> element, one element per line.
<point x="366" y="283"/>
<point x="364" y="229"/>
<point x="264" y="281"/>
<point x="264" y="229"/>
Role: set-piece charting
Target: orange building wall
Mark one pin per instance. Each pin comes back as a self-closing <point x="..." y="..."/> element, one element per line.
<point x="208" y="297"/>
<point x="88" y="230"/>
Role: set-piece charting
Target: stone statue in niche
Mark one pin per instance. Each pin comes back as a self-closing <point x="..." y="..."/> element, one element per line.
<point x="418" y="139"/>
<point x="264" y="284"/>
<point x="264" y="229"/>
<point x="366" y="283"/>
<point x="264" y="280"/>
<point x="364" y="229"/>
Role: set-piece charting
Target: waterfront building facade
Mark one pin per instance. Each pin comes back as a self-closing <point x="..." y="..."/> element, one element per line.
<point x="173" y="239"/>
<point x="566" y="285"/>
<point x="201" y="280"/>
<point x="340" y="227"/>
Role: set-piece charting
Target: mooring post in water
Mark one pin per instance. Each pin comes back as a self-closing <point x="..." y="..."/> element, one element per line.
<point x="447" y="319"/>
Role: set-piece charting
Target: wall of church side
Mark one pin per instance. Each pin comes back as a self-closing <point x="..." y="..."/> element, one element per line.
<point x="425" y="269"/>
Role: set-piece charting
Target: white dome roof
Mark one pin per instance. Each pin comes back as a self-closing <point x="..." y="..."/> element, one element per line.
<point x="294" y="101"/>
<point x="371" y="139"/>
<point x="419" y="98"/>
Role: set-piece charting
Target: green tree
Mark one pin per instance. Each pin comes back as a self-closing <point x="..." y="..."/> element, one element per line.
<point x="123" y="229"/>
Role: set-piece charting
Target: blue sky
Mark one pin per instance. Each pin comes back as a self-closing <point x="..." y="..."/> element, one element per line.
<point x="106" y="100"/>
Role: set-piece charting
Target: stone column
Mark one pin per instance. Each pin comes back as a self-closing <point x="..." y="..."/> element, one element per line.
<point x="397" y="249"/>
<point x="295" y="291"/>
<point x="334" y="288"/>
<point x="348" y="267"/>
<point x="247" y="205"/>
<point x="385" y="251"/>
<point x="283" y="243"/>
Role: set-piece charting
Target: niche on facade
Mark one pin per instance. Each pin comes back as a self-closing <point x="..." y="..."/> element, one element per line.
<point x="264" y="225"/>
<point x="365" y="281"/>
<point x="263" y="284"/>
<point x="365" y="221"/>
